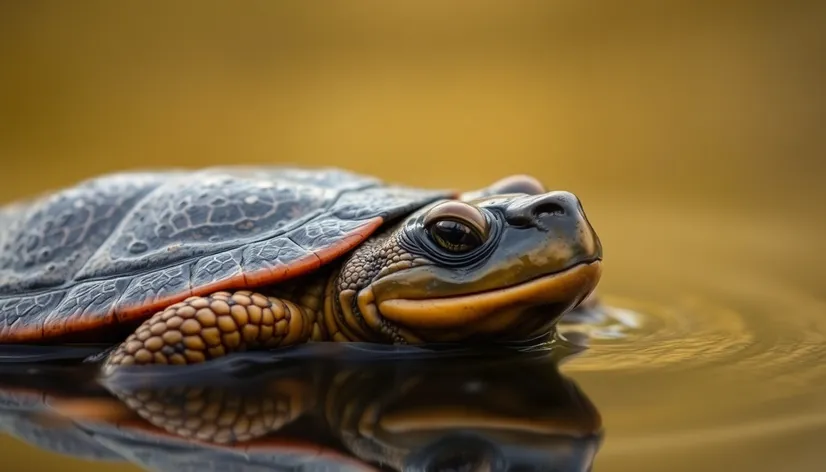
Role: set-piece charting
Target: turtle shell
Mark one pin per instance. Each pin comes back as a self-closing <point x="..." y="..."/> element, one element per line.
<point x="119" y="247"/>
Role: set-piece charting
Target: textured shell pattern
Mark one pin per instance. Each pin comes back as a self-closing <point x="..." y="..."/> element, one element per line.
<point x="99" y="251"/>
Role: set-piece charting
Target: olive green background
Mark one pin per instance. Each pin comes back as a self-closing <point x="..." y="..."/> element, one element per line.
<point x="695" y="107"/>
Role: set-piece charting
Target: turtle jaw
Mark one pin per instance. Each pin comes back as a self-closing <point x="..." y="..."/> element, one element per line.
<point x="515" y="312"/>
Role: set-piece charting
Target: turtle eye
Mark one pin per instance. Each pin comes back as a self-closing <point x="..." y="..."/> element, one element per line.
<point x="455" y="236"/>
<point x="456" y="226"/>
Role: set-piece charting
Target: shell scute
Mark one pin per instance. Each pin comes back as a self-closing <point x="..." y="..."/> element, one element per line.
<point x="216" y="267"/>
<point x="148" y="289"/>
<point x="22" y="317"/>
<point x="90" y="303"/>
<point x="271" y="256"/>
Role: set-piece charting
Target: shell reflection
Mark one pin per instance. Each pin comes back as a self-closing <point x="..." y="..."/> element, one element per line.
<point x="491" y="411"/>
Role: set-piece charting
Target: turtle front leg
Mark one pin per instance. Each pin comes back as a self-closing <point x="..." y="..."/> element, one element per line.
<point x="203" y="328"/>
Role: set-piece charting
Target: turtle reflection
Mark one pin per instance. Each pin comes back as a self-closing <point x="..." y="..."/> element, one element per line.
<point x="500" y="413"/>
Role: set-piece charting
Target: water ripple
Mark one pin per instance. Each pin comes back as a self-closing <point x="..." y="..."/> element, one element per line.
<point x="742" y="321"/>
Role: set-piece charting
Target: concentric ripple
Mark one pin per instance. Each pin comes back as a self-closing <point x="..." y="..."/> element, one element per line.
<point x="742" y="320"/>
<point x="629" y="333"/>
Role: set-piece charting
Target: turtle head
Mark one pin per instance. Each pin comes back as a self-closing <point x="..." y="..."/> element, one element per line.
<point x="495" y="268"/>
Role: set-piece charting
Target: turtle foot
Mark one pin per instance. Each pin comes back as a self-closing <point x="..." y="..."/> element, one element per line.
<point x="203" y="328"/>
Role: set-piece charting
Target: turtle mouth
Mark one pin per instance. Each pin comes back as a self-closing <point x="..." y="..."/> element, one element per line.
<point x="562" y="290"/>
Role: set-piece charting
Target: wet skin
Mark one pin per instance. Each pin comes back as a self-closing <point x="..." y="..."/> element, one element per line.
<point x="501" y="264"/>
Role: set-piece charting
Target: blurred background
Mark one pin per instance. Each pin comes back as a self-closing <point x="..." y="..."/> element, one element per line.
<point x="711" y="100"/>
<point x="701" y="119"/>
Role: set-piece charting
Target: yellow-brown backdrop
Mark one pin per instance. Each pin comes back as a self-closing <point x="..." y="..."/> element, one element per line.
<point x="711" y="105"/>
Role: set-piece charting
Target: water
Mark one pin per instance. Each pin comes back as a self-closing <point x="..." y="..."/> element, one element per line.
<point x="691" y="131"/>
<point x="711" y="355"/>
<point x="322" y="407"/>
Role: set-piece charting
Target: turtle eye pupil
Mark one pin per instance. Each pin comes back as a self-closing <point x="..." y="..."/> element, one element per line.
<point x="455" y="236"/>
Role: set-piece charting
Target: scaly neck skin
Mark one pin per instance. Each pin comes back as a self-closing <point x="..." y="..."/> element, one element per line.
<point x="349" y="312"/>
<point x="337" y="298"/>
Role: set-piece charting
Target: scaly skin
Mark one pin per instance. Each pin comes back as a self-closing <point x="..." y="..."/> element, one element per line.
<point x="493" y="266"/>
<point x="203" y="328"/>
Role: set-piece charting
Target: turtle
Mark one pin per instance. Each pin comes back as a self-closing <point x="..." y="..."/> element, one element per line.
<point x="182" y="266"/>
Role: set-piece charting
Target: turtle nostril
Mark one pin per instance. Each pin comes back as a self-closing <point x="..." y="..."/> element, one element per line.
<point x="543" y="211"/>
<point x="548" y="209"/>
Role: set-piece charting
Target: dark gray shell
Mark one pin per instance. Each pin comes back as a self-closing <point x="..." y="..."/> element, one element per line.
<point x="99" y="252"/>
